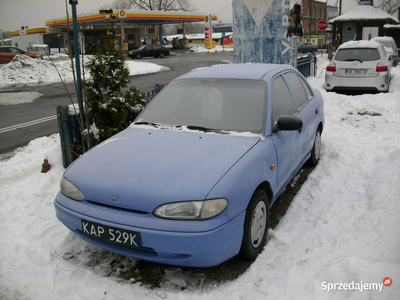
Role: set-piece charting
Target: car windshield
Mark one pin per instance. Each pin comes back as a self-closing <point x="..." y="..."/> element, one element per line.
<point x="210" y="104"/>
<point x="360" y="54"/>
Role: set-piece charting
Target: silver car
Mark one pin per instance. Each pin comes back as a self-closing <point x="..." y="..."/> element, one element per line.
<point x="359" y="66"/>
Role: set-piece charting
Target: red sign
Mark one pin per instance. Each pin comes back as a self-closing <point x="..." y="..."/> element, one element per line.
<point x="322" y="25"/>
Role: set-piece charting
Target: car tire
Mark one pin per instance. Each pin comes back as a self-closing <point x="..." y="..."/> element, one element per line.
<point x="138" y="56"/>
<point x="255" y="225"/>
<point x="162" y="55"/>
<point x="313" y="51"/>
<point x="316" y="149"/>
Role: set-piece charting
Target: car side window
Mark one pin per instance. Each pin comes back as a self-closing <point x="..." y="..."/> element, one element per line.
<point x="297" y="88"/>
<point x="282" y="102"/>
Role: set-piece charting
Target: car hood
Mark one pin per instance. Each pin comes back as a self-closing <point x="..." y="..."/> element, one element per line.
<point x="140" y="168"/>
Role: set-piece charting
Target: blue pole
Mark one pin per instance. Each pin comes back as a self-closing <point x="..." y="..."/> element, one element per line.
<point x="78" y="66"/>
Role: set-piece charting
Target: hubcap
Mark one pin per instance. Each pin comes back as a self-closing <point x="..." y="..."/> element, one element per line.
<point x="258" y="224"/>
<point x="317" y="145"/>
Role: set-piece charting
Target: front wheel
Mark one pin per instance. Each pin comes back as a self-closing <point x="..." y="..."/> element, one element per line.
<point x="138" y="56"/>
<point x="255" y="225"/>
<point x="316" y="149"/>
<point x="162" y="55"/>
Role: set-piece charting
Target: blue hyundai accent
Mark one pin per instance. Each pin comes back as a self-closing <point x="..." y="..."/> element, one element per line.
<point x="192" y="180"/>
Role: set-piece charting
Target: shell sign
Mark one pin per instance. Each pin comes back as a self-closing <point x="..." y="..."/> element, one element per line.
<point x="122" y="13"/>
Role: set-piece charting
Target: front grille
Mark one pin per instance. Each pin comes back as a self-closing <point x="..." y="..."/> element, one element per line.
<point x="115" y="208"/>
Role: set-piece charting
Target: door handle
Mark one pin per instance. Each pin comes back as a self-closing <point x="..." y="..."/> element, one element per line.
<point x="316" y="111"/>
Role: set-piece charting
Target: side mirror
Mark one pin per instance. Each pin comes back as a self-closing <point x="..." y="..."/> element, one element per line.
<point x="289" y="123"/>
<point x="392" y="57"/>
<point x="136" y="111"/>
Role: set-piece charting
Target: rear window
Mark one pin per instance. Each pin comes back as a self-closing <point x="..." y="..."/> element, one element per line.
<point x="363" y="54"/>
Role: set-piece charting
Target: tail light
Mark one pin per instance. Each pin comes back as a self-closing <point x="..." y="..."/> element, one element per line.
<point x="381" y="67"/>
<point x="331" y="67"/>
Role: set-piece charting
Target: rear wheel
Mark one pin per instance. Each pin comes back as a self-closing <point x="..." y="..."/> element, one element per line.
<point x="255" y="225"/>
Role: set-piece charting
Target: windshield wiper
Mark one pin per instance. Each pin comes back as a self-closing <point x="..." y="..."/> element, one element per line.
<point x="201" y="128"/>
<point x="147" y="123"/>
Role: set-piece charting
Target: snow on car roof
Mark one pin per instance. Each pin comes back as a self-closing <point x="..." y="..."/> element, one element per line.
<point x="360" y="44"/>
<point x="236" y="71"/>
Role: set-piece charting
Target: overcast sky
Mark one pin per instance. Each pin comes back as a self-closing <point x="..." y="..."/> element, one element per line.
<point x="17" y="13"/>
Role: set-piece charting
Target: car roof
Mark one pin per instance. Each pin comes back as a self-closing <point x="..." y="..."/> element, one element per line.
<point x="382" y="38"/>
<point x="237" y="71"/>
<point x="360" y="44"/>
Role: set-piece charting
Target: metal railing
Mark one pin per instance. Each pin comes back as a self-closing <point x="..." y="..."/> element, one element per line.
<point x="307" y="65"/>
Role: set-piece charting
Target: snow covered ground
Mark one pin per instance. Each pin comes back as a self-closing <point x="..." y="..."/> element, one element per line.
<point x="342" y="227"/>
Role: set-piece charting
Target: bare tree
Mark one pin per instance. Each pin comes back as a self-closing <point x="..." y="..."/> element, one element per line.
<point x="390" y="6"/>
<point x="160" y="5"/>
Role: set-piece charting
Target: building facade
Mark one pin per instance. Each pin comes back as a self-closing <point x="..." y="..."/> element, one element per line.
<point x="313" y="11"/>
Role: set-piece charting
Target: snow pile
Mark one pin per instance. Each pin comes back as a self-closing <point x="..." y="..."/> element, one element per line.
<point x="203" y="49"/>
<point x="342" y="227"/>
<point x="24" y="70"/>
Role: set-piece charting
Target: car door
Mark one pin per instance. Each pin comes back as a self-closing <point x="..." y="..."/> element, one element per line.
<point x="148" y="51"/>
<point x="288" y="144"/>
<point x="308" y="109"/>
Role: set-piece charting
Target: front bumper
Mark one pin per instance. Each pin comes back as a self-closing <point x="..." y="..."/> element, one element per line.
<point x="176" y="247"/>
<point x="333" y="82"/>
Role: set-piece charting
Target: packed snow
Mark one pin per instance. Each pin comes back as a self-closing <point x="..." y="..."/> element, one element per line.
<point x="340" y="232"/>
<point x="18" y="98"/>
<point x="24" y="70"/>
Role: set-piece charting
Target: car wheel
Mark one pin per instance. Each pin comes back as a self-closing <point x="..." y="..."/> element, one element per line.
<point x="162" y="55"/>
<point x="313" y="51"/>
<point x="138" y="56"/>
<point x="255" y="225"/>
<point x="316" y="149"/>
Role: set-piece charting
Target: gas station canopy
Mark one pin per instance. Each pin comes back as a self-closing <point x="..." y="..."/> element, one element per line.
<point x="132" y="17"/>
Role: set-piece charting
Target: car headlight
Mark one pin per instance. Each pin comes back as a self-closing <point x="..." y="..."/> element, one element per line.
<point x="191" y="210"/>
<point x="70" y="190"/>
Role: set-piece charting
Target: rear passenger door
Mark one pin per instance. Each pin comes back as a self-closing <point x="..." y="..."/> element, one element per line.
<point x="307" y="107"/>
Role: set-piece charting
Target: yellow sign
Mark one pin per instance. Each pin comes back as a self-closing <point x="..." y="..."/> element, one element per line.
<point x="208" y="43"/>
<point x="206" y="19"/>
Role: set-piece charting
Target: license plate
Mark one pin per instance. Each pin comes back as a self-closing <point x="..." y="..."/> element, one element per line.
<point x="111" y="234"/>
<point x="356" y="71"/>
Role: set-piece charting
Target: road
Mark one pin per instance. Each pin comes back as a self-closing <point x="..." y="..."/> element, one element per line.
<point x="19" y="124"/>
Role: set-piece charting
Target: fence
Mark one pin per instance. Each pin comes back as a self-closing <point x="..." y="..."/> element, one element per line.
<point x="307" y="65"/>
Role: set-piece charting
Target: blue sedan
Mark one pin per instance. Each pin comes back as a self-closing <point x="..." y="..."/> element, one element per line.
<point x="192" y="180"/>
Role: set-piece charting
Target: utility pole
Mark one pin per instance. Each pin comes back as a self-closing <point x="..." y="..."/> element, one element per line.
<point x="340" y="7"/>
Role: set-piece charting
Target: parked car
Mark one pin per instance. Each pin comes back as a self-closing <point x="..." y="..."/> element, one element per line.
<point x="191" y="181"/>
<point x="359" y="66"/>
<point x="149" y="51"/>
<point x="390" y="47"/>
<point x="307" y="47"/>
<point x="7" y="53"/>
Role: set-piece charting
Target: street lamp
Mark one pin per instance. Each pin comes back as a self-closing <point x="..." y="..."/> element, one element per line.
<point x="74" y="3"/>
